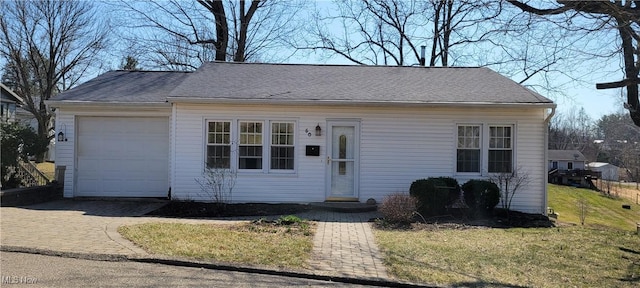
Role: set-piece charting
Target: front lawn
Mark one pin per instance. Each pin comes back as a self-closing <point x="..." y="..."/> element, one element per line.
<point x="248" y="243"/>
<point x="603" y="253"/>
<point x="530" y="257"/>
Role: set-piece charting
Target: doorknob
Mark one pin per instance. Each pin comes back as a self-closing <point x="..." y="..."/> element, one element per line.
<point x="328" y="159"/>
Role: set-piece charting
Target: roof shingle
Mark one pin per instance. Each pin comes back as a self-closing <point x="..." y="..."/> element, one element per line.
<point x="126" y="86"/>
<point x="223" y="80"/>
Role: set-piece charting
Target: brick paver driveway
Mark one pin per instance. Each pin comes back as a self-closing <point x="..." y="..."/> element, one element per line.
<point x="77" y="226"/>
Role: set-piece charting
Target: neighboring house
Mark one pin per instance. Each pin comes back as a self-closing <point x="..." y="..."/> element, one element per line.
<point x="299" y="133"/>
<point x="8" y="104"/>
<point x="566" y="160"/>
<point x="608" y="171"/>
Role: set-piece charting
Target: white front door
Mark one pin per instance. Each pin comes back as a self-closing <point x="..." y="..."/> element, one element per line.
<point x="342" y="159"/>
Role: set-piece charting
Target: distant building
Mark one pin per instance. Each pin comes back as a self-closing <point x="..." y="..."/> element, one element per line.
<point x="8" y="104"/>
<point x="566" y="160"/>
<point x="608" y="171"/>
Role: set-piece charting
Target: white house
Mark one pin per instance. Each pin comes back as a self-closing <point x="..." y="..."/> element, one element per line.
<point x="566" y="160"/>
<point x="299" y="133"/>
<point x="609" y="171"/>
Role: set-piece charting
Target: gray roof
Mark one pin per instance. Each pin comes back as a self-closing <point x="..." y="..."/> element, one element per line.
<point x="7" y="95"/>
<point x="275" y="83"/>
<point x="125" y="86"/>
<point x="570" y="155"/>
<point x="360" y="84"/>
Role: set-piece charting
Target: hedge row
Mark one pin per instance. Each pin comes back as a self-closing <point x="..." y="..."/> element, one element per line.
<point x="436" y="194"/>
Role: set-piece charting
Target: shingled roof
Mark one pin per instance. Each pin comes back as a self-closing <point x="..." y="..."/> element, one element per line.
<point x="358" y="84"/>
<point x="125" y="86"/>
<point x="297" y="83"/>
<point x="569" y="155"/>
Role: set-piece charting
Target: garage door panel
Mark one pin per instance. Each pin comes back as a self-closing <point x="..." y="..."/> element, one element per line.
<point x="122" y="157"/>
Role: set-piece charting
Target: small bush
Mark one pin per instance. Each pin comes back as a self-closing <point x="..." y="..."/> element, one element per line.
<point x="481" y="196"/>
<point x="398" y="208"/>
<point x="434" y="194"/>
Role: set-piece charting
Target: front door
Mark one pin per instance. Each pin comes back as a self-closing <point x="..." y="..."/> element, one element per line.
<point x="342" y="160"/>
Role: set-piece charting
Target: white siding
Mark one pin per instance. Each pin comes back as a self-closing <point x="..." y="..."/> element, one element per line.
<point x="65" y="150"/>
<point x="398" y="146"/>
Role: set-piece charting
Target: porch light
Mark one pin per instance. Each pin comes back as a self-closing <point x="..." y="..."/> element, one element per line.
<point x="318" y="130"/>
<point x="61" y="137"/>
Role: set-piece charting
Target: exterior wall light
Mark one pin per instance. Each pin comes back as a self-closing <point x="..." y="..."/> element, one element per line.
<point x="318" y="130"/>
<point x="61" y="137"/>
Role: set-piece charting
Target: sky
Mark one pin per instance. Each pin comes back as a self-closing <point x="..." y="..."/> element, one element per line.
<point x="574" y="95"/>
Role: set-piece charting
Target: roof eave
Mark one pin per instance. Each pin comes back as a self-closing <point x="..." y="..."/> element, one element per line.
<point x="193" y="100"/>
<point x="71" y="103"/>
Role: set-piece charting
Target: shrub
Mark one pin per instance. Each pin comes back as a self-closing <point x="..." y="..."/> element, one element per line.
<point x="398" y="208"/>
<point x="481" y="196"/>
<point x="432" y="195"/>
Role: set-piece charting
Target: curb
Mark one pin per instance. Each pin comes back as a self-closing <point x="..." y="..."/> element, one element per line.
<point x="212" y="266"/>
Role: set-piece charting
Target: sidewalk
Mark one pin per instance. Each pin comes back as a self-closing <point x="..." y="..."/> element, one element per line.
<point x="343" y="245"/>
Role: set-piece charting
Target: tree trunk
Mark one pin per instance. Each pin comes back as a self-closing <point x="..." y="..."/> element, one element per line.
<point x="630" y="69"/>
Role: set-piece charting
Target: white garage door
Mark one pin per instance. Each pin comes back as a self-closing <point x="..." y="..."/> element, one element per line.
<point x="122" y="157"/>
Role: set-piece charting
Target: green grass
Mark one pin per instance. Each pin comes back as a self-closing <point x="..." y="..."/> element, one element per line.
<point x="535" y="257"/>
<point x="602" y="212"/>
<point x="47" y="168"/>
<point x="259" y="244"/>
<point x="603" y="253"/>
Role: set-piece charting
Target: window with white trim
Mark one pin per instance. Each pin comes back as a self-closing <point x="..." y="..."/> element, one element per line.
<point x="500" y="149"/>
<point x="218" y="144"/>
<point x="484" y="148"/>
<point x="468" y="152"/>
<point x="282" y="146"/>
<point x="250" y="145"/>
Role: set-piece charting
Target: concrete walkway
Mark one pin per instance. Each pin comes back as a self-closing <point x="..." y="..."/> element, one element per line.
<point x="343" y="244"/>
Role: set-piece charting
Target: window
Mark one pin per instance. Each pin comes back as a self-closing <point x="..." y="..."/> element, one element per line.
<point x="219" y="144"/>
<point x="282" y="145"/>
<point x="500" y="149"/>
<point x="250" y="145"/>
<point x="484" y="148"/>
<point x="570" y="166"/>
<point x="468" y="153"/>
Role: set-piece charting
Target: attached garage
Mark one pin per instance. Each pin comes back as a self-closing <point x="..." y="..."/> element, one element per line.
<point x="122" y="156"/>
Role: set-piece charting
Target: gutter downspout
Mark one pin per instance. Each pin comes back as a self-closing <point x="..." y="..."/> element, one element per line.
<point x="545" y="179"/>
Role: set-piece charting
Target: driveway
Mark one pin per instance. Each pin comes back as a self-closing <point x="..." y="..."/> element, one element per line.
<point x="343" y="244"/>
<point x="78" y="226"/>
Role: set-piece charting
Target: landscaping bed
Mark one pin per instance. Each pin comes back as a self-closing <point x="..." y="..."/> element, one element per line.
<point x="204" y="210"/>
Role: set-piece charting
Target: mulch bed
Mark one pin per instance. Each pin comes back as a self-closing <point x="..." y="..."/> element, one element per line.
<point x="205" y="210"/>
<point x="499" y="219"/>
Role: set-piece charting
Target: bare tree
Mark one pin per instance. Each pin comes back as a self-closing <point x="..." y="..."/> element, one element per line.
<point x="573" y="131"/>
<point x="49" y="46"/>
<point x="620" y="142"/>
<point x="392" y="32"/>
<point x="509" y="184"/>
<point x="583" y="209"/>
<point x="620" y="16"/>
<point x="181" y="35"/>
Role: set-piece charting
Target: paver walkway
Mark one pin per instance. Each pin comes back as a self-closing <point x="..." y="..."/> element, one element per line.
<point x="343" y="244"/>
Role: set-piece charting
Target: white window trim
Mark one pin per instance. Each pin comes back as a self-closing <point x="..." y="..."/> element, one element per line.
<point x="266" y="145"/>
<point x="206" y="141"/>
<point x="484" y="147"/>
<point x="236" y="148"/>
<point x="295" y="148"/>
